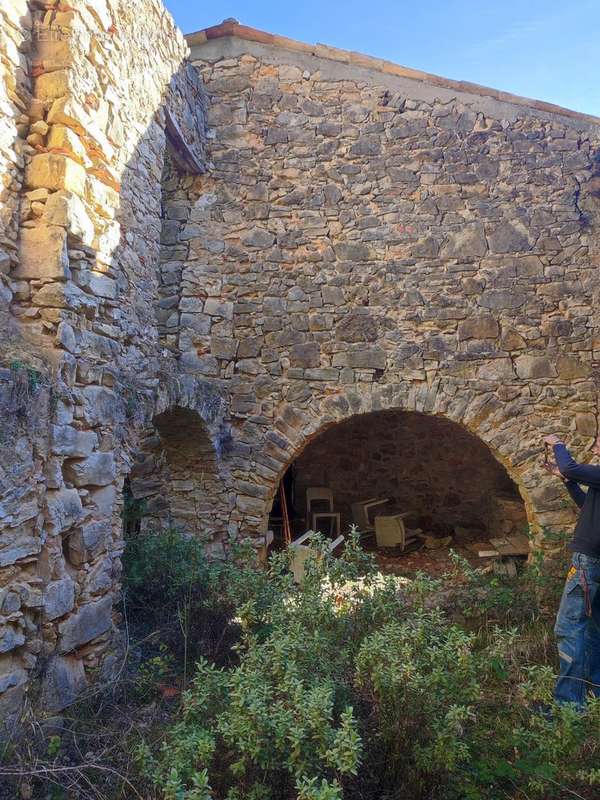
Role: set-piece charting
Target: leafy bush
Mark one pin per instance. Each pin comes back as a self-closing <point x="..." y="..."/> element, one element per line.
<point x="352" y="686"/>
<point x="357" y="685"/>
<point x="159" y="567"/>
<point x="422" y="679"/>
<point x="179" y="601"/>
<point x="280" y="720"/>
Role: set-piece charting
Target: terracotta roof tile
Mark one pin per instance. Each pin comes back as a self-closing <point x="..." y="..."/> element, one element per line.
<point x="234" y="29"/>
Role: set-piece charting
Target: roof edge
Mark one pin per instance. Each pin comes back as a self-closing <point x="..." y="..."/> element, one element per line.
<point x="233" y="28"/>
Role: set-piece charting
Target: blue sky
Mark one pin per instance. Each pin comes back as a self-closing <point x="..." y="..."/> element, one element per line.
<point x="543" y="49"/>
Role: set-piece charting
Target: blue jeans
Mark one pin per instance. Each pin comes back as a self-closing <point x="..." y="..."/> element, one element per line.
<point x="577" y="632"/>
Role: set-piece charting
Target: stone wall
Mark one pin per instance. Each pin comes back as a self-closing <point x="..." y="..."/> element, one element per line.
<point x="346" y="237"/>
<point x="427" y="467"/>
<point x="15" y="95"/>
<point x="85" y="373"/>
<point x="372" y="238"/>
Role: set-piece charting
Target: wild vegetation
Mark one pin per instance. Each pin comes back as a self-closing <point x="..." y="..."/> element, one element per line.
<point x="240" y="685"/>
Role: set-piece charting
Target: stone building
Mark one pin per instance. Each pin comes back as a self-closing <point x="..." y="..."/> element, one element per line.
<point x="211" y="254"/>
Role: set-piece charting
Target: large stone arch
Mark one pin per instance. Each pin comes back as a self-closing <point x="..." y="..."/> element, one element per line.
<point x="442" y="477"/>
<point x="512" y="438"/>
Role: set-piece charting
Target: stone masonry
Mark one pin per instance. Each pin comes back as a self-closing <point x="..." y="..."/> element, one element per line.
<point x="92" y="91"/>
<point x="207" y="260"/>
<point x="368" y="237"/>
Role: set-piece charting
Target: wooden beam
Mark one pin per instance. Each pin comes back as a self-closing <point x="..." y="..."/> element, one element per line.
<point x="183" y="154"/>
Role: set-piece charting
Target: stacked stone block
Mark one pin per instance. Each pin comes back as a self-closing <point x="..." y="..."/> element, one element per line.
<point x="369" y="238"/>
<point x="83" y="256"/>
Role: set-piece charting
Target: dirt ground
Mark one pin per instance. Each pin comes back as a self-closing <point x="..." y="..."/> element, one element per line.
<point x="417" y="557"/>
<point x="420" y="559"/>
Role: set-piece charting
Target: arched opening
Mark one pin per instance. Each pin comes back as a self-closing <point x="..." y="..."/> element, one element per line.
<point x="193" y="473"/>
<point x="174" y="482"/>
<point x="173" y="517"/>
<point x="444" y="481"/>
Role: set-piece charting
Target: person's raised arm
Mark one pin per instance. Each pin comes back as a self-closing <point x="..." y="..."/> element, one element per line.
<point x="574" y="489"/>
<point x="576" y="492"/>
<point x="587" y="474"/>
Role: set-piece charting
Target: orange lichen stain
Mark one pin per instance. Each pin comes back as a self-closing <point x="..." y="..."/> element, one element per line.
<point x="104" y="177"/>
<point x="93" y="151"/>
<point x="91" y="101"/>
<point x="61" y="151"/>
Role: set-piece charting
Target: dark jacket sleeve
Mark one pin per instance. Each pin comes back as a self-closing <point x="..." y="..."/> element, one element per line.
<point x="587" y="474"/>
<point x="576" y="492"/>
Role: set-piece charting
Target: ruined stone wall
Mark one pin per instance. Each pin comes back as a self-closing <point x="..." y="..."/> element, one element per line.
<point x="15" y="96"/>
<point x="367" y="240"/>
<point x="353" y="239"/>
<point x="86" y="373"/>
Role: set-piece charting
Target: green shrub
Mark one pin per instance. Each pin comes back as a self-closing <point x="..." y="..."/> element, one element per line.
<point x="355" y="685"/>
<point x="422" y="679"/>
<point x="181" y="604"/>
<point x="159" y="567"/>
<point x="280" y="722"/>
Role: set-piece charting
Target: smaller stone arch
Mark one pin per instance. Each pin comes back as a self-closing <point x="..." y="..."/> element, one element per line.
<point x="176" y="478"/>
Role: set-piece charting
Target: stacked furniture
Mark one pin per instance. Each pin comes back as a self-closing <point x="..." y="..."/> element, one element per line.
<point x="331" y="518"/>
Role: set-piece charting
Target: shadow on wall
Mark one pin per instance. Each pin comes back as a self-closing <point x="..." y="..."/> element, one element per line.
<point x="15" y="94"/>
<point x="87" y="284"/>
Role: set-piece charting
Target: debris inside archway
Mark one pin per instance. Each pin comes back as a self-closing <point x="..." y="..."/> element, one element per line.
<point x="416" y="486"/>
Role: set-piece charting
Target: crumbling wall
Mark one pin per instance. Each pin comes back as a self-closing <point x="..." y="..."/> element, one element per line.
<point x="363" y="239"/>
<point x="372" y="238"/>
<point x="108" y="80"/>
<point x="15" y="95"/>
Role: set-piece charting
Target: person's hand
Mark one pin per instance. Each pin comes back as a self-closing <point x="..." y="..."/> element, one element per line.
<point x="552" y="469"/>
<point x="552" y="440"/>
